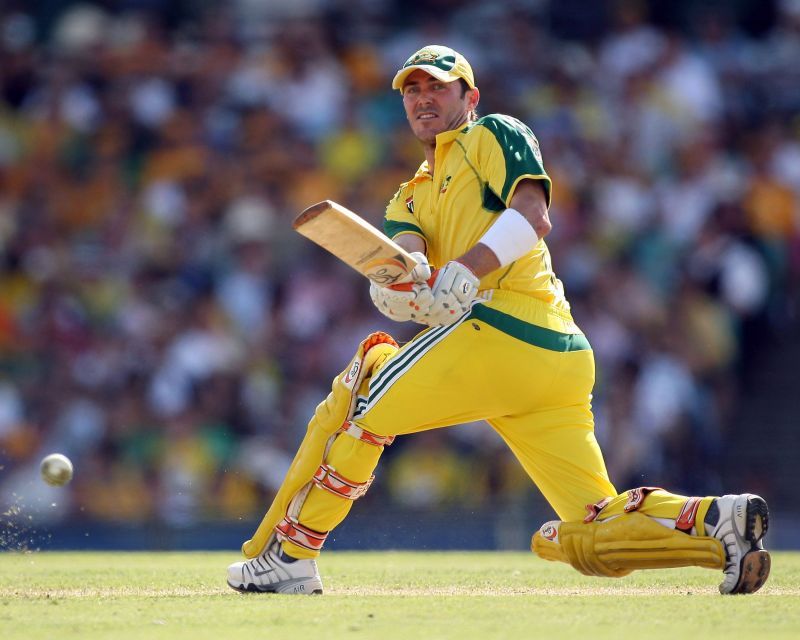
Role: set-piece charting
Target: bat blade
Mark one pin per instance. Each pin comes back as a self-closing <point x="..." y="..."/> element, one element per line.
<point x="355" y="242"/>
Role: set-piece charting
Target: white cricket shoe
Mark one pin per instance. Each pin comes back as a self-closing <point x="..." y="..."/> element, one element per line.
<point x="741" y="524"/>
<point x="275" y="572"/>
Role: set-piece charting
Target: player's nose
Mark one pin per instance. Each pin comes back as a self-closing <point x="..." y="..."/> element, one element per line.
<point x="425" y="98"/>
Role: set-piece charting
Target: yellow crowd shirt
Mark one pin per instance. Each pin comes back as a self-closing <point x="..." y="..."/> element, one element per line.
<point x="477" y="169"/>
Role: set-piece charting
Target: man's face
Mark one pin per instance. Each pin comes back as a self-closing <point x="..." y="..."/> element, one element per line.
<point x="433" y="106"/>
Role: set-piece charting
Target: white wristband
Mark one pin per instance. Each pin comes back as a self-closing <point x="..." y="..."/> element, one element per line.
<point x="510" y="237"/>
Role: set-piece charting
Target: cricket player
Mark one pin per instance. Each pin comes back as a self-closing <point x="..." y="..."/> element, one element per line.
<point x="500" y="345"/>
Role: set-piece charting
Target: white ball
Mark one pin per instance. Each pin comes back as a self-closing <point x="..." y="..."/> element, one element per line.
<point x="56" y="469"/>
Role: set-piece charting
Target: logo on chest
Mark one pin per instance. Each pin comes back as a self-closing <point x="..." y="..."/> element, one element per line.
<point x="445" y="184"/>
<point x="410" y="204"/>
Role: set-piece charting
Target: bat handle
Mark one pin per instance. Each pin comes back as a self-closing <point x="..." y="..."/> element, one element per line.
<point x="406" y="286"/>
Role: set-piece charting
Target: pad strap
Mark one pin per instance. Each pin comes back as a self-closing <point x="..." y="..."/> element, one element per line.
<point x="327" y="478"/>
<point x="358" y="433"/>
<point x="636" y="497"/>
<point x="595" y="509"/>
<point x="291" y="530"/>
<point x="688" y="515"/>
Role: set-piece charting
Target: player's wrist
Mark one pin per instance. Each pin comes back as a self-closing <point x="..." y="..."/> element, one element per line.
<point x="510" y="237"/>
<point x="458" y="264"/>
<point x="467" y="266"/>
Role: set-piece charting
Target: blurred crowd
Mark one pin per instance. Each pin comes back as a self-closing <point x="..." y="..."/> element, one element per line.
<point x="162" y="325"/>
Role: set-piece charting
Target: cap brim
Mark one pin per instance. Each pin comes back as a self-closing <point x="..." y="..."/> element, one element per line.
<point x="436" y="72"/>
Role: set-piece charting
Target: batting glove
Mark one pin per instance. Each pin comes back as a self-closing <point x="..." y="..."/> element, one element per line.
<point x="410" y="300"/>
<point x="413" y="302"/>
<point x="422" y="272"/>
<point x="454" y="288"/>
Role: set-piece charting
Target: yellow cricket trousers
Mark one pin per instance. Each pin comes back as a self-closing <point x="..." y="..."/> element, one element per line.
<point x="537" y="399"/>
<point x="533" y="385"/>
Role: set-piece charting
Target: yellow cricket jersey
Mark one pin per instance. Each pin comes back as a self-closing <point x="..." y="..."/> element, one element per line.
<point x="477" y="169"/>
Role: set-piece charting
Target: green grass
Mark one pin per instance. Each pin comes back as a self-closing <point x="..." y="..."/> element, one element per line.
<point x="408" y="596"/>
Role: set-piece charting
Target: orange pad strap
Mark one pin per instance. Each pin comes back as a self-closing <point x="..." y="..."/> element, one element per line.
<point x="291" y="530"/>
<point x="688" y="515"/>
<point x="327" y="478"/>
<point x="354" y="431"/>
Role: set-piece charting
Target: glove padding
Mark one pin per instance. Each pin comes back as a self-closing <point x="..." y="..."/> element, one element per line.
<point x="422" y="272"/>
<point x="408" y="302"/>
<point x="413" y="303"/>
<point x="454" y="288"/>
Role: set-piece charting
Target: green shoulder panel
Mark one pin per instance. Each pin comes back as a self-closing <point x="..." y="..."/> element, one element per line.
<point x="491" y="202"/>
<point x="520" y="150"/>
<point x="393" y="228"/>
<point x="403" y="221"/>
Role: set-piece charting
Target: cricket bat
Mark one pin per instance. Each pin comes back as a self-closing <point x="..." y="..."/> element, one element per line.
<point x="355" y="242"/>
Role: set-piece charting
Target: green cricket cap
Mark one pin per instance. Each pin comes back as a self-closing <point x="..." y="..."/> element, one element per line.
<point x="443" y="63"/>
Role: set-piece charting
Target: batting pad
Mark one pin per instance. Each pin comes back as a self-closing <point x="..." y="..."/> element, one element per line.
<point x="328" y="418"/>
<point x="615" y="547"/>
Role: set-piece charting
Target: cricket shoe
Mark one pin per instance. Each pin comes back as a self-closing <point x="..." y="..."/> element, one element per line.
<point x="275" y="572"/>
<point x="740" y="522"/>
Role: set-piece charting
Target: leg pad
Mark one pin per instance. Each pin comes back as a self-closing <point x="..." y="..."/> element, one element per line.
<point x="615" y="547"/>
<point x="331" y="415"/>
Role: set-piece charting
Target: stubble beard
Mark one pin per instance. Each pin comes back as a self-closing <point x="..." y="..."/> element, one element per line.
<point x="428" y="137"/>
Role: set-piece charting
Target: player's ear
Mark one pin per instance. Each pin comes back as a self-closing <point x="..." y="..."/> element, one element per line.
<point x="473" y="97"/>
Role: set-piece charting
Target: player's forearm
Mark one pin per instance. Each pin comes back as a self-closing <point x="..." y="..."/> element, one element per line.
<point x="480" y="260"/>
<point x="515" y="233"/>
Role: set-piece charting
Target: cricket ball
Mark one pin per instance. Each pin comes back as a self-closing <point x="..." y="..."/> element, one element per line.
<point x="56" y="469"/>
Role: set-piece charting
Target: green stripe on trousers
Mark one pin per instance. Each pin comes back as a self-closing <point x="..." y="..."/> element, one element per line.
<point x="530" y="333"/>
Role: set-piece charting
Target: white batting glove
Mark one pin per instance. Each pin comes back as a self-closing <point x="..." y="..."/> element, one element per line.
<point x="412" y="303"/>
<point x="422" y="271"/>
<point x="454" y="289"/>
<point x="407" y="302"/>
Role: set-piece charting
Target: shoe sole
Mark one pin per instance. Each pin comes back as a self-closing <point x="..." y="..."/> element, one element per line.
<point x="251" y="588"/>
<point x="756" y="563"/>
